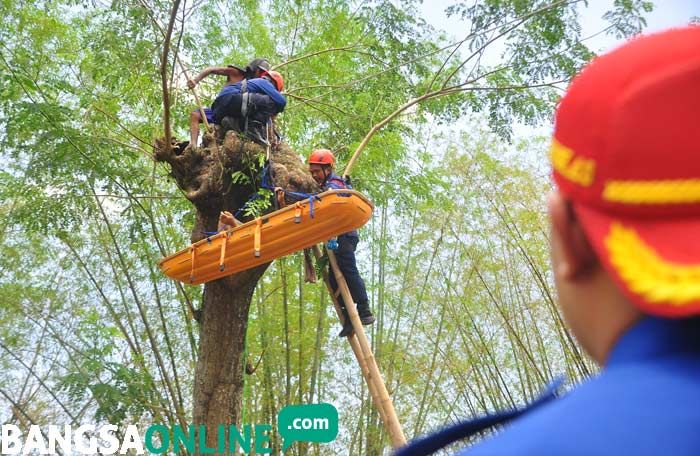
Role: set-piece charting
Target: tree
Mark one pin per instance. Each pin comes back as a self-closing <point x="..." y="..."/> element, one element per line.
<point x="511" y="91"/>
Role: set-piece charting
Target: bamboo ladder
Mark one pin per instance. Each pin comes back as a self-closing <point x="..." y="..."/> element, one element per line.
<point x="358" y="340"/>
<point x="363" y="352"/>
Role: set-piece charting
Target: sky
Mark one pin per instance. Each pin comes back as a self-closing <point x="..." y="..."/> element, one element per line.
<point x="666" y="13"/>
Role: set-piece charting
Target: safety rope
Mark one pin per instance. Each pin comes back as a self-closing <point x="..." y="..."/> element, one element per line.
<point x="266" y="184"/>
<point x="302" y="196"/>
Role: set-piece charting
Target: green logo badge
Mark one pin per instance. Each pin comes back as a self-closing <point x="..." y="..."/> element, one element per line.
<point x="307" y="423"/>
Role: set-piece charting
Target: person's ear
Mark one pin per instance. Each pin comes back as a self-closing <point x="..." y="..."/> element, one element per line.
<point x="575" y="256"/>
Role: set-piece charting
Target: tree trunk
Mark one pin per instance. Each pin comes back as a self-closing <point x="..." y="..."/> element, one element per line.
<point x="218" y="383"/>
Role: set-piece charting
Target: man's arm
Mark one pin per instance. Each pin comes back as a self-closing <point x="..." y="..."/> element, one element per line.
<point x="260" y="85"/>
<point x="227" y="220"/>
<point x="219" y="71"/>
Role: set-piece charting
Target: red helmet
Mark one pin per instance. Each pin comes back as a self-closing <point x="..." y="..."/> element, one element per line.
<point x="321" y="157"/>
<point x="277" y="79"/>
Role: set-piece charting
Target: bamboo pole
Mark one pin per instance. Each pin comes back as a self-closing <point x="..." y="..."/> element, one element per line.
<point x="391" y="421"/>
<point x="196" y="99"/>
<point x="354" y="343"/>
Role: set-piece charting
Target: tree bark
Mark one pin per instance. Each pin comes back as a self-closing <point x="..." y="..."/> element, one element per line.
<point x="218" y="382"/>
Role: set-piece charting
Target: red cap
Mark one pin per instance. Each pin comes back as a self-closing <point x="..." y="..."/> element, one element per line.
<point x="626" y="153"/>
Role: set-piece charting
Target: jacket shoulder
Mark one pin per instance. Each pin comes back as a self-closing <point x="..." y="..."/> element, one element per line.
<point x="641" y="409"/>
<point x="336" y="182"/>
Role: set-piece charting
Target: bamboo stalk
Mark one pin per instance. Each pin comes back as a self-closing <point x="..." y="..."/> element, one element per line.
<point x="398" y="439"/>
<point x="196" y="99"/>
<point x="287" y="354"/>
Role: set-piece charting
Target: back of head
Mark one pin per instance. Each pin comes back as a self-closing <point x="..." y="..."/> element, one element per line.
<point x="256" y="67"/>
<point x="626" y="154"/>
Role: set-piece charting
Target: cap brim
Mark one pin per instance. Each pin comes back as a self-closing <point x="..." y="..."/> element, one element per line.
<point x="237" y="68"/>
<point x="655" y="262"/>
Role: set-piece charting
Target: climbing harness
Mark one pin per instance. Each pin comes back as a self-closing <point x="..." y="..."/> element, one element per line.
<point x="245" y="97"/>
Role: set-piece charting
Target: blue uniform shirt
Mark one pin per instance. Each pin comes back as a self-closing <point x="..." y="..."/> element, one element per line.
<point x="646" y="401"/>
<point x="257" y="85"/>
<point x="335" y="182"/>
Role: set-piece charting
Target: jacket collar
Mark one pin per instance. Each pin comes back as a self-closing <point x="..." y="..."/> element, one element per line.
<point x="331" y="175"/>
<point x="653" y="337"/>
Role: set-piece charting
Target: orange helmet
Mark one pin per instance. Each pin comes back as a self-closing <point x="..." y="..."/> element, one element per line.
<point x="321" y="157"/>
<point x="276" y="78"/>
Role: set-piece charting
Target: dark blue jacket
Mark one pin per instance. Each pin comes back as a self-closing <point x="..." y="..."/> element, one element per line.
<point x="333" y="181"/>
<point x="646" y="401"/>
<point x="257" y="85"/>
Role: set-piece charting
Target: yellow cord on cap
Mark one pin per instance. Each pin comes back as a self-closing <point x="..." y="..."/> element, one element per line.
<point x="646" y="274"/>
<point x="577" y="169"/>
<point x="671" y="191"/>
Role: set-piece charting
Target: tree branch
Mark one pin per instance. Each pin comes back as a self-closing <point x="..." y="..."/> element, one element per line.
<point x="313" y="54"/>
<point x="164" y="74"/>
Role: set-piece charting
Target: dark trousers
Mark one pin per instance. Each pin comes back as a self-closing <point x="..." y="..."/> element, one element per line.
<point x="348" y="266"/>
<point x="260" y="107"/>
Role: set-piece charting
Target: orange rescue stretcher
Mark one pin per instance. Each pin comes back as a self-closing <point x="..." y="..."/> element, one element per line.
<point x="271" y="236"/>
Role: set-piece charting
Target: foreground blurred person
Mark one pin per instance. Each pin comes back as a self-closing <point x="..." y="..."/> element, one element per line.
<point x="625" y="247"/>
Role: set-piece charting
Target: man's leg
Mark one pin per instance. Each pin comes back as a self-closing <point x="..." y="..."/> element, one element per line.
<point x="348" y="266"/>
<point x="195" y="120"/>
<point x="347" y="326"/>
<point x="260" y="109"/>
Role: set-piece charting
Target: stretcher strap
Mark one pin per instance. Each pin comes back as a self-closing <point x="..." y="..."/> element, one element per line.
<point x="310" y="196"/>
<point x="297" y="212"/>
<point x="193" y="251"/>
<point x="256" y="238"/>
<point x="224" y="242"/>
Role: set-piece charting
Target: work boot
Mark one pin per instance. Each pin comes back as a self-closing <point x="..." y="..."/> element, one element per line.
<point x="366" y="316"/>
<point x="229" y="123"/>
<point x="347" y="328"/>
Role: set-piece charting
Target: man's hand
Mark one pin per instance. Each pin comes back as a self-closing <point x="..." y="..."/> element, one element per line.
<point x="191" y="83"/>
<point x="279" y="194"/>
<point x="228" y="219"/>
